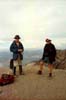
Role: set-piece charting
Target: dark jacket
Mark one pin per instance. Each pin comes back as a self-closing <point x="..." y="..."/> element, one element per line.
<point x="50" y="52"/>
<point x="14" y="48"/>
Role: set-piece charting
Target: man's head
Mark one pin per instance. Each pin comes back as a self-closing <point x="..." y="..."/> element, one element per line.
<point x="48" y="41"/>
<point x="17" y="37"/>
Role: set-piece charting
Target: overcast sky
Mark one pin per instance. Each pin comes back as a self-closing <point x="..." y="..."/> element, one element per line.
<point x="34" y="21"/>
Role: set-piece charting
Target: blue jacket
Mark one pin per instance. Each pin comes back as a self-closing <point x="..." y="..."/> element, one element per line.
<point x="14" y="48"/>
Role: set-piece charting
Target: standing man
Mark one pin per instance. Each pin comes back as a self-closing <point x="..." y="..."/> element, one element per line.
<point x="49" y="55"/>
<point x="17" y="49"/>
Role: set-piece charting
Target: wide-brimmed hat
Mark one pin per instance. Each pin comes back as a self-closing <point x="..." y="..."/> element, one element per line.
<point x="17" y="37"/>
<point x="47" y="40"/>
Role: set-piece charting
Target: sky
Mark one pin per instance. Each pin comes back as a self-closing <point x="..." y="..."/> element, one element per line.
<point x="34" y="21"/>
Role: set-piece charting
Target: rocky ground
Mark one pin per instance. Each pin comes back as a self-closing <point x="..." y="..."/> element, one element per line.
<point x="35" y="87"/>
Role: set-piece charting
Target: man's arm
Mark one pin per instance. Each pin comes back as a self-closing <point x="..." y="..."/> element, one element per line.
<point x="21" y="49"/>
<point x="12" y="49"/>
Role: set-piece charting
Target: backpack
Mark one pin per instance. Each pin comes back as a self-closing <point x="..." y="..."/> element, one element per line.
<point x="6" y="79"/>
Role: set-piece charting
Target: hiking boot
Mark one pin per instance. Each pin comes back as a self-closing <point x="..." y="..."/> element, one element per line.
<point x="50" y="74"/>
<point x="39" y="72"/>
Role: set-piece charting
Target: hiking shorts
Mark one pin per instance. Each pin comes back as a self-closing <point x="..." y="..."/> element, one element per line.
<point x="46" y="60"/>
<point x="17" y="62"/>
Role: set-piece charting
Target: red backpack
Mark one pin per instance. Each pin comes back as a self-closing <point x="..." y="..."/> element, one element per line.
<point x="6" y="79"/>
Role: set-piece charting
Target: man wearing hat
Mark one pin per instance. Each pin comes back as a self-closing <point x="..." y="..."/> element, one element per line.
<point x="49" y="54"/>
<point x="17" y="49"/>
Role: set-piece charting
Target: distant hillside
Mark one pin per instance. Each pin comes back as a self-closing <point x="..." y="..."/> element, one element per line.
<point x="34" y="56"/>
<point x="28" y="56"/>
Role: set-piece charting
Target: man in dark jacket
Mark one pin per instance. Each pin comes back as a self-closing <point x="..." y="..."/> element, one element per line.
<point x="17" y="49"/>
<point x="49" y="55"/>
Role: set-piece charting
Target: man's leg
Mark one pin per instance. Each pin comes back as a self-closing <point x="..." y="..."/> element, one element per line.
<point x="20" y="68"/>
<point x="41" y="67"/>
<point x="50" y="69"/>
<point x="15" y="63"/>
<point x="14" y="71"/>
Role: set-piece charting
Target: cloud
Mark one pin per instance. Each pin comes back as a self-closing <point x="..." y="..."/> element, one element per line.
<point x="33" y="20"/>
